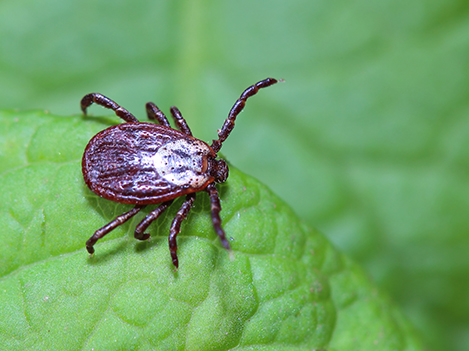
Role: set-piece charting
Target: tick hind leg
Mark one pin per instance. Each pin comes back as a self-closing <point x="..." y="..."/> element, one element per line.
<point x="176" y="227"/>
<point x="111" y="226"/>
<point x="152" y="216"/>
<point x="107" y="103"/>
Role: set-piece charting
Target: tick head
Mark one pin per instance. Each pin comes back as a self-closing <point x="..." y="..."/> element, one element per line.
<point x="218" y="169"/>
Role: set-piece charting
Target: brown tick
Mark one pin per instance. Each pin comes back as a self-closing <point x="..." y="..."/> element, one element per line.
<point x="145" y="164"/>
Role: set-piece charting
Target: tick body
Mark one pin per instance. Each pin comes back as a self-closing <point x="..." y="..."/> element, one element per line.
<point x="146" y="163"/>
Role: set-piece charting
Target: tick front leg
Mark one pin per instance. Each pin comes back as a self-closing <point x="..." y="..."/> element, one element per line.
<point x="152" y="216"/>
<point x="176" y="227"/>
<point x="110" y="226"/>
<point x="238" y="106"/>
<point x="153" y="112"/>
<point x="216" y="220"/>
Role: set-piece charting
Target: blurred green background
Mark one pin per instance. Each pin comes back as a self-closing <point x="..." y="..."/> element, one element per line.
<point x="367" y="139"/>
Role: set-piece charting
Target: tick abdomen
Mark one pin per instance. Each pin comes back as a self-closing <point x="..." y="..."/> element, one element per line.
<point x="145" y="163"/>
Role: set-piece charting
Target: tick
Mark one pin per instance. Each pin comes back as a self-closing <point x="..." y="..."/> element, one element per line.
<point x="146" y="164"/>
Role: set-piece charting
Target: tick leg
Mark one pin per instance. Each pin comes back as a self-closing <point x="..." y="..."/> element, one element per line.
<point x="180" y="121"/>
<point x="216" y="208"/>
<point x="110" y="226"/>
<point x="155" y="113"/>
<point x="107" y="103"/>
<point x="153" y="215"/>
<point x="176" y="227"/>
<point x="238" y="106"/>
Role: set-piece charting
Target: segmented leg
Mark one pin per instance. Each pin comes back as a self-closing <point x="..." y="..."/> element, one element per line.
<point x="152" y="216"/>
<point x="107" y="103"/>
<point x="155" y="113"/>
<point x="238" y="106"/>
<point x="176" y="227"/>
<point x="216" y="208"/>
<point x="110" y="226"/>
<point x="180" y="121"/>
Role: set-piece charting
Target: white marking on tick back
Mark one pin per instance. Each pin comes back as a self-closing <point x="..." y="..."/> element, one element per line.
<point x="180" y="162"/>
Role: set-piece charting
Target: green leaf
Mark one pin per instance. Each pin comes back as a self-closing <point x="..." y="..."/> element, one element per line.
<point x="285" y="287"/>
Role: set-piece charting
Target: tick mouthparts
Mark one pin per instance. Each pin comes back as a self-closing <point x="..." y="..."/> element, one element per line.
<point x="218" y="169"/>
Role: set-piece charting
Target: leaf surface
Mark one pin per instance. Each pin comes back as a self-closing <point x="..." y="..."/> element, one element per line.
<point x="285" y="287"/>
